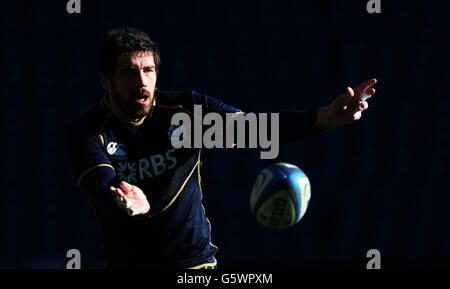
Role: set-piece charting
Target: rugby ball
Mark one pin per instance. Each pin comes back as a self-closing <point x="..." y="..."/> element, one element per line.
<point x="280" y="195"/>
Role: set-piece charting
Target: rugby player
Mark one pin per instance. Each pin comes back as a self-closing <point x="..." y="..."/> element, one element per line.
<point x="146" y="194"/>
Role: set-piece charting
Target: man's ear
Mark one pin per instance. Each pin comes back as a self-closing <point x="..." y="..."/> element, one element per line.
<point x="106" y="83"/>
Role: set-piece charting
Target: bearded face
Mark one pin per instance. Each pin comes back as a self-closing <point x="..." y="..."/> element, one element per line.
<point x="132" y="87"/>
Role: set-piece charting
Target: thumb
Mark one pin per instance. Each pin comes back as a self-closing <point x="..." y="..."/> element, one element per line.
<point x="126" y="187"/>
<point x="350" y="92"/>
<point x="351" y="100"/>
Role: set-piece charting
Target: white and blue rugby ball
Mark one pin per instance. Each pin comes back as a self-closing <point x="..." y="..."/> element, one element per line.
<point x="280" y="196"/>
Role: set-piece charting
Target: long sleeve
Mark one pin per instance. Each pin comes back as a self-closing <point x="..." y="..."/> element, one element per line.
<point x="293" y="124"/>
<point x="297" y="125"/>
<point x="92" y="169"/>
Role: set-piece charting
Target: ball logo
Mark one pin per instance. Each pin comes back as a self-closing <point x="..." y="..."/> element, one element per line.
<point x="116" y="149"/>
<point x="305" y="191"/>
<point x="278" y="212"/>
<point x="261" y="182"/>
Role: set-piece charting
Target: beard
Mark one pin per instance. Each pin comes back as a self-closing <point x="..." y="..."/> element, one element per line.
<point x="128" y="105"/>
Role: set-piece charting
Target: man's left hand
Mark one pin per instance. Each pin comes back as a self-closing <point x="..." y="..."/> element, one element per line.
<point x="346" y="108"/>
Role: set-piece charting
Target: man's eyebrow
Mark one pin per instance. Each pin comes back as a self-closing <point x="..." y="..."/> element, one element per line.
<point x="134" y="67"/>
<point x="125" y="68"/>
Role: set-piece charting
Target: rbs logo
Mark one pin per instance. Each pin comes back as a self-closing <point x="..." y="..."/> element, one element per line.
<point x="147" y="167"/>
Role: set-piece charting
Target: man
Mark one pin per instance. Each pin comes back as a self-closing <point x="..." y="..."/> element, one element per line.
<point x="147" y="194"/>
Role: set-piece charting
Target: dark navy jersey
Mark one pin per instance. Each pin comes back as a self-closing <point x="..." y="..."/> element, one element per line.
<point x="103" y="150"/>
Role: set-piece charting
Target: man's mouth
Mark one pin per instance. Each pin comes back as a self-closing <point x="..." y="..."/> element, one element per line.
<point x="143" y="99"/>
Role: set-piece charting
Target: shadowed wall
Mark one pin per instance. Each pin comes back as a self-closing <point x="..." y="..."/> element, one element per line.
<point x="379" y="183"/>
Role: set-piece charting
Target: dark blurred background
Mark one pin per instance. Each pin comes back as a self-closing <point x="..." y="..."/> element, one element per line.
<point x="380" y="183"/>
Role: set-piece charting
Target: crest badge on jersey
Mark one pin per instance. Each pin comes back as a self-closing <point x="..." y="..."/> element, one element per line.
<point x="116" y="149"/>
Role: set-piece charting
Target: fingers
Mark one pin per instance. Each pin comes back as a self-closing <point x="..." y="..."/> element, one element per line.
<point x="357" y="115"/>
<point x="349" y="100"/>
<point x="120" y="198"/>
<point x="130" y="201"/>
<point x="363" y="95"/>
<point x="132" y="211"/>
<point x="118" y="192"/>
<point x="350" y="92"/>
<point x="367" y="94"/>
<point x="365" y="85"/>
<point x="126" y="187"/>
<point x="363" y="105"/>
<point x="351" y="104"/>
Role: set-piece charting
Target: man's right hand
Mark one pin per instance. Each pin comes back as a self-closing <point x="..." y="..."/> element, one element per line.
<point x="130" y="199"/>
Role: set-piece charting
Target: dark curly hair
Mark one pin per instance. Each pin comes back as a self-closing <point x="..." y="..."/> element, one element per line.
<point x="124" y="41"/>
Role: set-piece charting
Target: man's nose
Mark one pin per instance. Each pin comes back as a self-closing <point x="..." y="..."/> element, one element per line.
<point x="142" y="79"/>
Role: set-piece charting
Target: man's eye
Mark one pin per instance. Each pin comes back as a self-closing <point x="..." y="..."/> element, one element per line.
<point x="149" y="70"/>
<point x="129" y="71"/>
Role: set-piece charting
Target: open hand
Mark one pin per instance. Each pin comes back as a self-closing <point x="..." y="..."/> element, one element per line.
<point x="347" y="107"/>
<point x="130" y="199"/>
